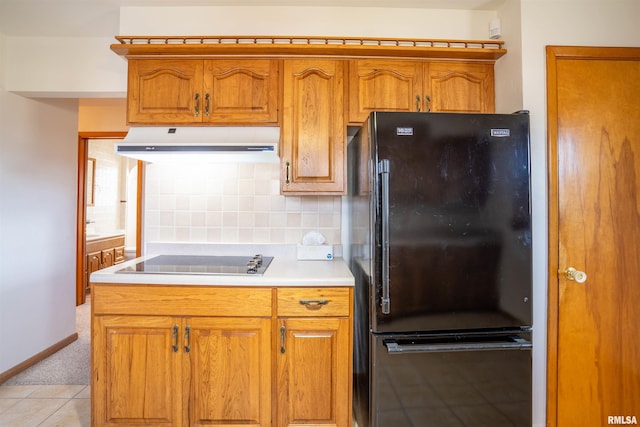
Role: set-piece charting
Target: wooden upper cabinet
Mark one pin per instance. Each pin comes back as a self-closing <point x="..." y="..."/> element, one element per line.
<point x="203" y="91"/>
<point x="460" y="87"/>
<point x="164" y="91"/>
<point x="382" y="85"/>
<point x="313" y="129"/>
<point x="241" y="91"/>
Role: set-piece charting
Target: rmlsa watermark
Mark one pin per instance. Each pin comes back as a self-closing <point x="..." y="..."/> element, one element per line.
<point x="622" y="419"/>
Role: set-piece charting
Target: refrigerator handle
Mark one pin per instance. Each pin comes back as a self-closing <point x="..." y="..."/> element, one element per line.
<point x="383" y="170"/>
<point x="513" y="343"/>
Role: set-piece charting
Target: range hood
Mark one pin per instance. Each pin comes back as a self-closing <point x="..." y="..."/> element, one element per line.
<point x="202" y="143"/>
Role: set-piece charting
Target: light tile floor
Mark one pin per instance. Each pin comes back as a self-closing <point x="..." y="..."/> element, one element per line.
<point x="45" y="406"/>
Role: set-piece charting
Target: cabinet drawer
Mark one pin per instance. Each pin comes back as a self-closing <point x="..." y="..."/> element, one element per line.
<point x="313" y="302"/>
<point x="181" y="300"/>
<point x="119" y="255"/>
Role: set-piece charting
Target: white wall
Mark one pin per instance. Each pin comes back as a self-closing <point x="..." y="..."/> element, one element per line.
<point x="38" y="142"/>
<point x="65" y="67"/>
<point x="508" y="70"/>
<point x="286" y="20"/>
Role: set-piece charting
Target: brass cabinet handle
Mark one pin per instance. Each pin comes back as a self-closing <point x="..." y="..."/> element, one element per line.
<point x="575" y="275"/>
<point x="207" y="104"/>
<point x="187" y="339"/>
<point x="314" y="304"/>
<point x="197" y="107"/>
<point x="287" y="180"/>
<point x="283" y="334"/>
<point x="427" y="103"/>
<point x="418" y="103"/>
<point x="174" y="336"/>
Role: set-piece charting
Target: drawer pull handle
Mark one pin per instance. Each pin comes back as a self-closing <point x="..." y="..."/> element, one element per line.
<point x="187" y="338"/>
<point x="283" y="335"/>
<point x="314" y="304"/>
<point x="196" y="111"/>
<point x="287" y="180"/>
<point x="174" y="335"/>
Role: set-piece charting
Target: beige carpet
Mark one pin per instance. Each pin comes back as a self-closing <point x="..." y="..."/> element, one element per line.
<point x="70" y="365"/>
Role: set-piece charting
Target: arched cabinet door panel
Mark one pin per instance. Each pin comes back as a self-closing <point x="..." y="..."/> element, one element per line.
<point x="313" y="128"/>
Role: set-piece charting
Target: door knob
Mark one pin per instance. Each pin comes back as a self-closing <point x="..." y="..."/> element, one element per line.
<point x="575" y="275"/>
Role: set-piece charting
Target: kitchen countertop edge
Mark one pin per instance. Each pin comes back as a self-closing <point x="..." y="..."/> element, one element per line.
<point x="282" y="272"/>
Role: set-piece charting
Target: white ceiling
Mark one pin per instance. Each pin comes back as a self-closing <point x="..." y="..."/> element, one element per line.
<point x="100" y="18"/>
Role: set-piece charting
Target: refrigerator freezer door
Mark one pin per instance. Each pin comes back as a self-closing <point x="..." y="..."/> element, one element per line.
<point x="509" y="342"/>
<point x="456" y="388"/>
<point x="451" y="221"/>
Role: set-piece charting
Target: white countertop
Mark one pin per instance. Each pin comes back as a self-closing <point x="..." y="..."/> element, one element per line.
<point x="283" y="271"/>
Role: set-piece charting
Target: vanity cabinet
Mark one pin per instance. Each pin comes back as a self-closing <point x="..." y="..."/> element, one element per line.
<point x="405" y="86"/>
<point x="183" y="355"/>
<point x="197" y="91"/>
<point x="103" y="252"/>
<point x="313" y="128"/>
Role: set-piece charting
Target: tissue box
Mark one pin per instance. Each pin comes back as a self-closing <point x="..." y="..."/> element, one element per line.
<point x="315" y="252"/>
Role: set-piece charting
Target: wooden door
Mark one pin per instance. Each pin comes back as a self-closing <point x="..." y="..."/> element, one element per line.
<point x="313" y="130"/>
<point x="383" y="85"/>
<point x="459" y="88"/>
<point x="165" y="91"/>
<point x="314" y="386"/>
<point x="230" y="367"/>
<point x="594" y="227"/>
<point x="136" y="376"/>
<point x="241" y="91"/>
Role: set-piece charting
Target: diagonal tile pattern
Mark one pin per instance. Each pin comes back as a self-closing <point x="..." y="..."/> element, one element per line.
<point x="45" y="406"/>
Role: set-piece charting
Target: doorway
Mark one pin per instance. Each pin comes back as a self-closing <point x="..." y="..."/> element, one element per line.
<point x="594" y="227"/>
<point x="110" y="191"/>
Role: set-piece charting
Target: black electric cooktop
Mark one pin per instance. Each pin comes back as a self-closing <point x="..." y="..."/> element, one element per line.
<point x="254" y="265"/>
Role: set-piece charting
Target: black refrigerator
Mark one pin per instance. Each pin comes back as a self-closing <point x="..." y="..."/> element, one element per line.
<point x="440" y="246"/>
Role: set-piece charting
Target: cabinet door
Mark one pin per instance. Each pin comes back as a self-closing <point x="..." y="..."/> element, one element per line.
<point x="94" y="262"/>
<point x="241" y="91"/>
<point x="314" y="375"/>
<point x="108" y="258"/>
<point x="136" y="376"/>
<point x="460" y="87"/>
<point x="118" y="255"/>
<point x="162" y="91"/>
<point x="313" y="129"/>
<point x="230" y="366"/>
<point x="380" y="85"/>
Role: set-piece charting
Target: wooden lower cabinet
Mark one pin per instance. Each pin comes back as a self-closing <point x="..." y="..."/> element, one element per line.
<point x="137" y="377"/>
<point x="313" y="376"/>
<point x="187" y="366"/>
<point x="230" y="372"/>
<point x="314" y="358"/>
<point x="168" y="371"/>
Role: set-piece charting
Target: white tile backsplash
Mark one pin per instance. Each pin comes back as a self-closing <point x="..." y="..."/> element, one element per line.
<point x="231" y="203"/>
